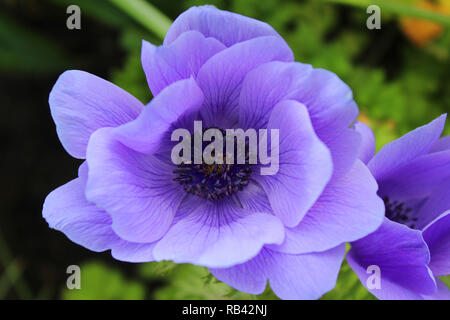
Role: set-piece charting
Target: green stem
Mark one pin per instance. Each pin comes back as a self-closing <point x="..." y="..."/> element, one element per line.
<point x="399" y="8"/>
<point x="146" y="14"/>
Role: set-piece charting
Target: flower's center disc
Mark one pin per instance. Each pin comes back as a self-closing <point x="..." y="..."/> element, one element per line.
<point x="397" y="212"/>
<point x="214" y="181"/>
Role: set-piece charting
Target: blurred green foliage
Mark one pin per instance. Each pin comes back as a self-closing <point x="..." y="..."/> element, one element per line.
<point x="397" y="86"/>
<point x="99" y="281"/>
<point x="16" y="44"/>
<point x="178" y="281"/>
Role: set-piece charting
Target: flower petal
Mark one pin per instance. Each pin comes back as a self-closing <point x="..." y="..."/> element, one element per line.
<point x="305" y="276"/>
<point x="134" y="188"/>
<point x="402" y="256"/>
<point x="441" y="145"/>
<point x="67" y="210"/>
<point x="367" y="148"/>
<point x="133" y="252"/>
<point x="227" y="27"/>
<point x="347" y="210"/>
<point x="328" y="99"/>
<point x="218" y="234"/>
<point x="81" y="103"/>
<point x="442" y="292"/>
<point x="249" y="277"/>
<point x="344" y="146"/>
<point x="389" y="289"/>
<point x="305" y="165"/>
<point x="151" y="130"/>
<point x="437" y="237"/>
<point x="221" y="76"/>
<point x="418" y="178"/>
<point x="437" y="203"/>
<point x="267" y="85"/>
<point x="254" y="198"/>
<point x="399" y="152"/>
<point x="179" y="60"/>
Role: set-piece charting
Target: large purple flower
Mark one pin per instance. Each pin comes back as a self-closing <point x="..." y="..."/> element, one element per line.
<point x="228" y="71"/>
<point x="412" y="246"/>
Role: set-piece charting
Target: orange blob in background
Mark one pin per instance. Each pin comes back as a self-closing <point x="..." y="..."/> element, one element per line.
<point x="421" y="32"/>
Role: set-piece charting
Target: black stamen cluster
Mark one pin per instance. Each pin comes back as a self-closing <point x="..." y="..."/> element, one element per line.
<point x="214" y="181"/>
<point x="397" y="212"/>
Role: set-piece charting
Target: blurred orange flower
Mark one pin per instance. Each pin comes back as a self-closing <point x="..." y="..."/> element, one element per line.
<point x="421" y="32"/>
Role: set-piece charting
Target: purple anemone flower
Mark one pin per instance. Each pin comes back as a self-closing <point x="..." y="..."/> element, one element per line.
<point x="412" y="246"/>
<point x="228" y="71"/>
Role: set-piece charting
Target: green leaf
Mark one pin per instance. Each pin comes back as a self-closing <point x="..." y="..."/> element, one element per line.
<point x="188" y="282"/>
<point x="100" y="282"/>
<point x="130" y="76"/>
<point x="156" y="270"/>
<point x="446" y="280"/>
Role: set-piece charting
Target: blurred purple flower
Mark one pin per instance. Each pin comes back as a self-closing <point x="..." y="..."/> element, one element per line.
<point x="412" y="247"/>
<point x="229" y="71"/>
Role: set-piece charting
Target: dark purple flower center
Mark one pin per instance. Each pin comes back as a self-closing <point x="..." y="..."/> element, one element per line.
<point x="214" y="181"/>
<point x="398" y="212"/>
